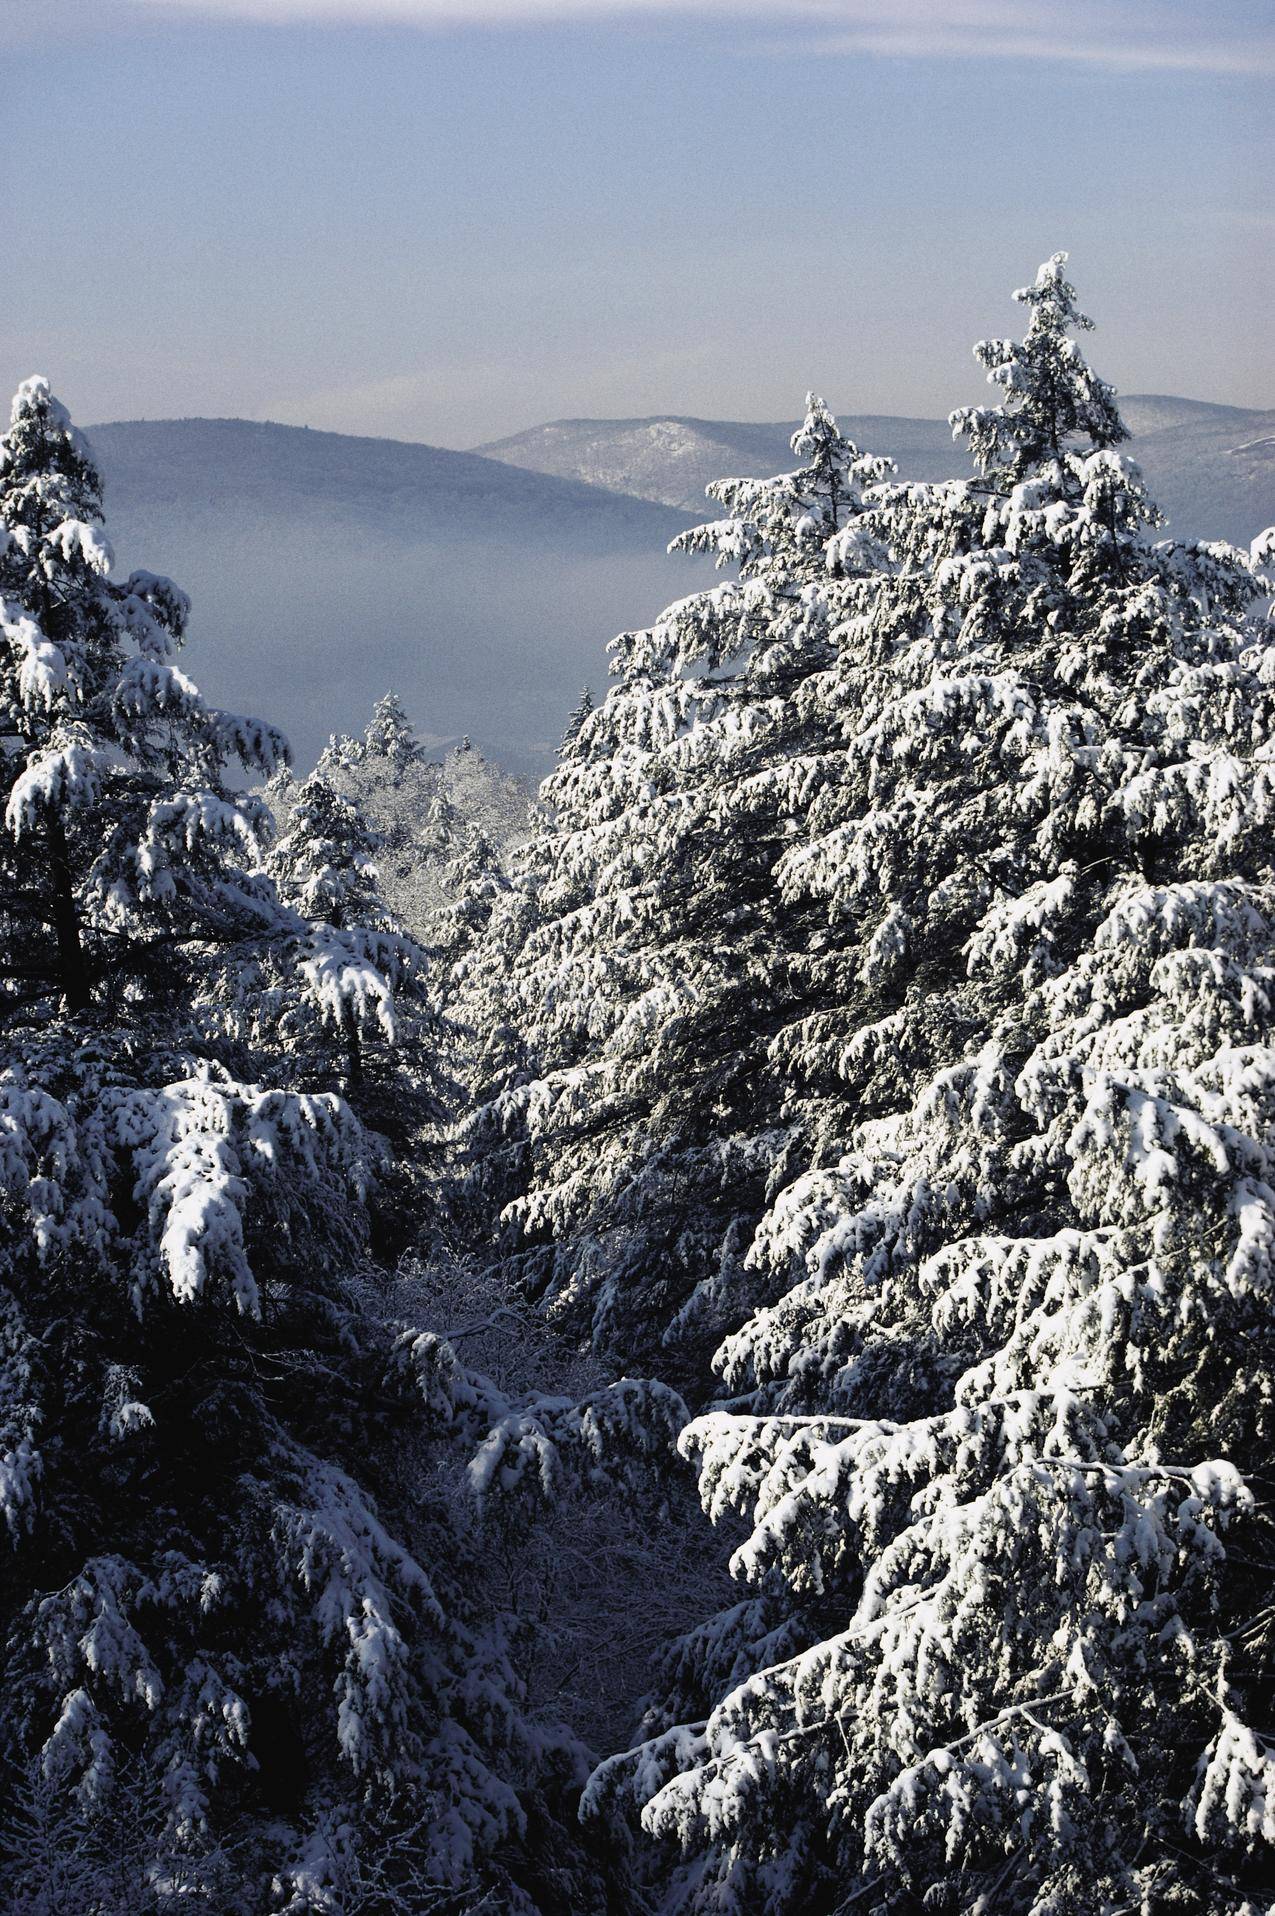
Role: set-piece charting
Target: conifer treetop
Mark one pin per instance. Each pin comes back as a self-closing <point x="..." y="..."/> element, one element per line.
<point x="46" y="467"/>
<point x="580" y="712"/>
<point x="350" y="957"/>
<point x="834" y="465"/>
<point x="781" y="521"/>
<point x="327" y="855"/>
<point x="123" y="836"/>
<point x="74" y="693"/>
<point x="390" y="732"/>
<point x="1052" y="397"/>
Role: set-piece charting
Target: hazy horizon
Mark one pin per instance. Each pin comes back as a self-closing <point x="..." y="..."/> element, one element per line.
<point x="742" y="417"/>
<point x="444" y="223"/>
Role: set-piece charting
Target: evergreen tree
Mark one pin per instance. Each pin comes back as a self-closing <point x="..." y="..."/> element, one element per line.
<point x="357" y="967"/>
<point x="432" y="818"/>
<point x="580" y="712"/>
<point x="1002" y="1437"/>
<point x="640" y="962"/>
<point x="241" y="1616"/>
<point x="391" y="736"/>
<point x="125" y="848"/>
<point x="888" y="892"/>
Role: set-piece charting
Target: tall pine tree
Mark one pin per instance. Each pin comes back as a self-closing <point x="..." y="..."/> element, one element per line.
<point x="640" y="961"/>
<point x="125" y="847"/>
<point x="247" y="1659"/>
<point x="1003" y="1435"/>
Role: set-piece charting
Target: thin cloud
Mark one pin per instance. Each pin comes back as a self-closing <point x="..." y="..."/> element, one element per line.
<point x="470" y="13"/>
<point x="909" y="44"/>
<point x="1122" y="35"/>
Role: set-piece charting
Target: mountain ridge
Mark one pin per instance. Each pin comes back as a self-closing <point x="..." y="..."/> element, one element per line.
<point x="320" y="464"/>
<point x="326" y="567"/>
<point x="1183" y="445"/>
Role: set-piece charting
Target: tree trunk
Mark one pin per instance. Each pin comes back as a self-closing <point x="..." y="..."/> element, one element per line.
<point x="72" y="971"/>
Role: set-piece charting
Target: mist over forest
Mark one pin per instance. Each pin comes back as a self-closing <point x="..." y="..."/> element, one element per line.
<point x="486" y="593"/>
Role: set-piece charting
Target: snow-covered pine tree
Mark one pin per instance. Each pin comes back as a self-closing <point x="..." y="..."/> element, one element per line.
<point x="389" y="776"/>
<point x="1004" y="1438"/>
<point x="639" y="961"/>
<point x="489" y="800"/>
<point x="391" y="735"/>
<point x="579" y="713"/>
<point x="433" y="818"/>
<point x="237" y="1611"/>
<point x="349" y="959"/>
<point x="114" y="867"/>
<point x="869" y="1006"/>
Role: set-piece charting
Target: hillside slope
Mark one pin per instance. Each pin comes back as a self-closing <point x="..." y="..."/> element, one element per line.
<point x="1211" y="467"/>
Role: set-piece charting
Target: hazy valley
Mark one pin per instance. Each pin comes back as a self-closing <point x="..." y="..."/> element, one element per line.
<point x="484" y="586"/>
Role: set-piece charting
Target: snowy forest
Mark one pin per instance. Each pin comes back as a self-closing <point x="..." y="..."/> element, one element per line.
<point x="701" y="1346"/>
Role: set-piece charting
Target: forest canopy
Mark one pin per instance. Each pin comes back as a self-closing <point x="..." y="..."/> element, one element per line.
<point x="703" y="1344"/>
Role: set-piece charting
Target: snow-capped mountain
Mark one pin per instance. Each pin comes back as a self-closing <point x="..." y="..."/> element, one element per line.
<point x="1212" y="468"/>
<point x="325" y="568"/>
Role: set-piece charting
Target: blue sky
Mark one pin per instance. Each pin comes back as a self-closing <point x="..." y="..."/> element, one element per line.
<point x="447" y="221"/>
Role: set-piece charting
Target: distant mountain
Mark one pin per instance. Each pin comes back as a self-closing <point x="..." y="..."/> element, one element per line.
<point x="325" y="568"/>
<point x="1212" y="468"/>
<point x="484" y="586"/>
<point x="672" y="459"/>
